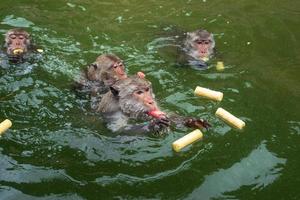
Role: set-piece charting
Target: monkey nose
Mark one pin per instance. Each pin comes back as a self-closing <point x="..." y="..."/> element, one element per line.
<point x="150" y="102"/>
<point x="151" y="105"/>
<point x="203" y="51"/>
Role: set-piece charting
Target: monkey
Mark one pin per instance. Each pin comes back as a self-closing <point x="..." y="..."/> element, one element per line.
<point x="96" y="79"/>
<point x="133" y="98"/>
<point x="17" y="44"/>
<point x="199" y="47"/>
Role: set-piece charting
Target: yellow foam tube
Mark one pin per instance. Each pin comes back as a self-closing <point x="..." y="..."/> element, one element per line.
<point x="220" y="66"/>
<point x="6" y="124"/>
<point x="207" y="93"/>
<point x="230" y="119"/>
<point x="187" y="139"/>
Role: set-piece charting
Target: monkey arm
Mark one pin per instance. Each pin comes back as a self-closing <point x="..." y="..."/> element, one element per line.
<point x="117" y="122"/>
<point x="180" y="121"/>
<point x="156" y="127"/>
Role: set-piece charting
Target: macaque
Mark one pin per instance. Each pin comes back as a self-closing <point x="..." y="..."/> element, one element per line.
<point x="133" y="98"/>
<point x="101" y="74"/>
<point x="199" y="46"/>
<point x="17" y="44"/>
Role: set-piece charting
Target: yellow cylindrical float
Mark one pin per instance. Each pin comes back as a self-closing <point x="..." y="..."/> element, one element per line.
<point x="220" y="66"/>
<point x="207" y="93"/>
<point x="230" y="119"/>
<point x="6" y="124"/>
<point x="187" y="139"/>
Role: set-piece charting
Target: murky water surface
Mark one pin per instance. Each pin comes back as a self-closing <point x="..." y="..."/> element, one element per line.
<point x="59" y="149"/>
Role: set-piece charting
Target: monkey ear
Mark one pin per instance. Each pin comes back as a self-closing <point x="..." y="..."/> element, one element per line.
<point x="114" y="91"/>
<point x="94" y="65"/>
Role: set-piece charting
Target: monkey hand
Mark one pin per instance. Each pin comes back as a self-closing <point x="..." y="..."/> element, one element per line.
<point x="196" y="123"/>
<point x="159" y="126"/>
<point x="140" y="74"/>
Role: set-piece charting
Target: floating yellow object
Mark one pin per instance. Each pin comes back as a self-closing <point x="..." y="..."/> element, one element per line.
<point x="40" y="50"/>
<point x="230" y="119"/>
<point x="6" y="124"/>
<point x="207" y="93"/>
<point x="187" y="140"/>
<point x="18" y="51"/>
<point x="205" y="59"/>
<point x="220" y="66"/>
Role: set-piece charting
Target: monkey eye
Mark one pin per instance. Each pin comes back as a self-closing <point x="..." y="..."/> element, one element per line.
<point x="117" y="64"/>
<point x="139" y="92"/>
<point x="21" y="37"/>
<point x="147" y="89"/>
<point x="202" y="41"/>
<point x="13" y="36"/>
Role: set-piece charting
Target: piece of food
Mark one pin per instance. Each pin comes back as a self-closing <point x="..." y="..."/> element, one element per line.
<point x="40" y="50"/>
<point x="17" y="51"/>
<point x="230" y="119"/>
<point x="6" y="124"/>
<point x="220" y="66"/>
<point x="205" y="59"/>
<point x="187" y="140"/>
<point x="207" y="93"/>
<point x="157" y="114"/>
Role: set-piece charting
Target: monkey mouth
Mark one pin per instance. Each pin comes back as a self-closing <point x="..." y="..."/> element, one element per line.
<point x="123" y="76"/>
<point x="203" y="53"/>
<point x="16" y="51"/>
<point x="156" y="114"/>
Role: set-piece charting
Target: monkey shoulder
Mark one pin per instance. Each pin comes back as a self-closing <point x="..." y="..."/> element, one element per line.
<point x="89" y="87"/>
<point x="108" y="104"/>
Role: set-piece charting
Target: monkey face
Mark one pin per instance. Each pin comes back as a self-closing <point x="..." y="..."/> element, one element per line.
<point x="115" y="72"/>
<point x="118" y="70"/>
<point x="145" y="96"/>
<point x="203" y="47"/>
<point x="17" y="42"/>
<point x="139" y="103"/>
<point x="135" y="97"/>
<point x="200" y="44"/>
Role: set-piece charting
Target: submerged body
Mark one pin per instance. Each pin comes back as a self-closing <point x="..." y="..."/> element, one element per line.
<point x="132" y="99"/>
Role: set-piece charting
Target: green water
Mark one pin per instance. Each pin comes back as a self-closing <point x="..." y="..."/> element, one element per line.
<point x="59" y="149"/>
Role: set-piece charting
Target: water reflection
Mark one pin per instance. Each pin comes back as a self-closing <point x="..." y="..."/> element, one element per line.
<point x="10" y="193"/>
<point x="257" y="170"/>
<point x="294" y="127"/>
<point x="15" y="174"/>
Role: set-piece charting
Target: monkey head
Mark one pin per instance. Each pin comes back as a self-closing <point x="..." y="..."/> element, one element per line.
<point x="200" y="44"/>
<point x="17" y="42"/>
<point x="107" y="68"/>
<point x="135" y="96"/>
